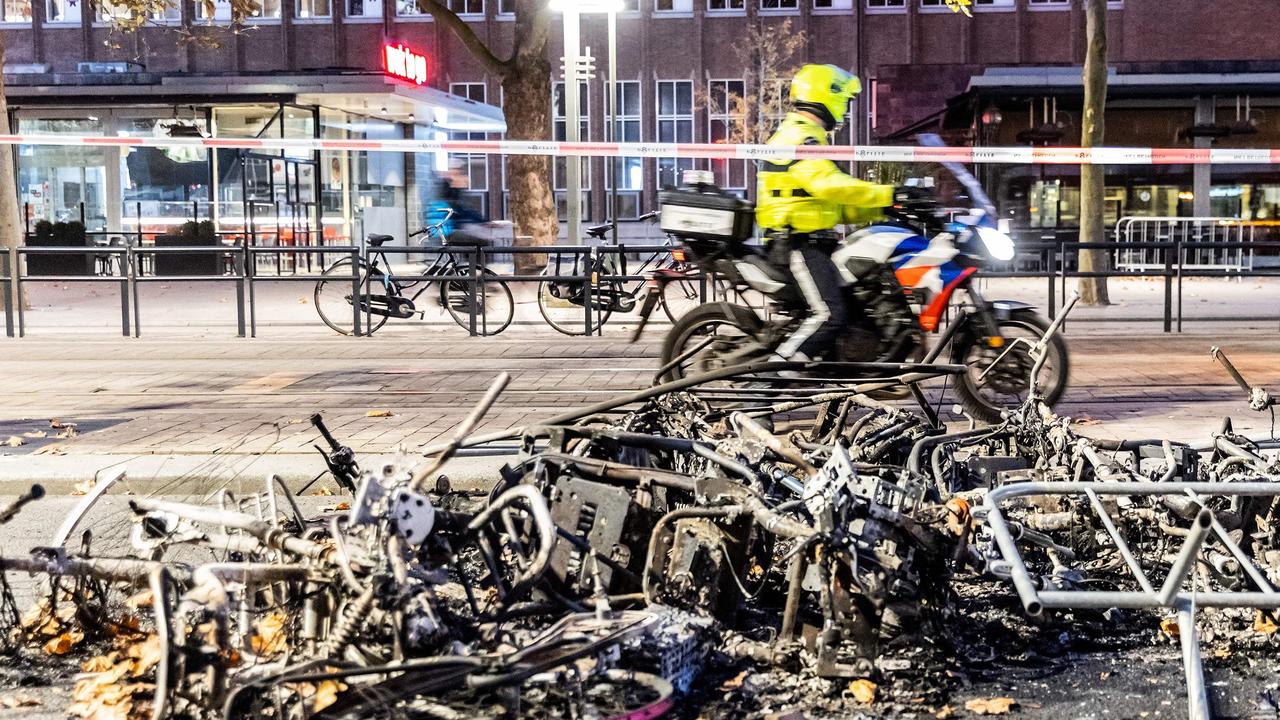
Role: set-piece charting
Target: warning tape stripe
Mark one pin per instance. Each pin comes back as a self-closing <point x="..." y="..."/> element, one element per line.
<point x="859" y="153"/>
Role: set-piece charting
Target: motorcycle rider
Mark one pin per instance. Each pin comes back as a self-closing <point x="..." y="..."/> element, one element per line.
<point x="799" y="202"/>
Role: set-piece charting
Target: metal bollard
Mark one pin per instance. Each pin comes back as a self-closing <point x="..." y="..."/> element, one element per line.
<point x="7" y="282"/>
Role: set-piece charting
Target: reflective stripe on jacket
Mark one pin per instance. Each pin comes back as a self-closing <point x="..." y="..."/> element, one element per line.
<point x="811" y="195"/>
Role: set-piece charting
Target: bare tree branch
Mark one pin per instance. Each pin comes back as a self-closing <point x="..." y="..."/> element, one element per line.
<point x="468" y="36"/>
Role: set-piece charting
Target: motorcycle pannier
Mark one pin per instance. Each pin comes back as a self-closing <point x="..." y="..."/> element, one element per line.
<point x="705" y="212"/>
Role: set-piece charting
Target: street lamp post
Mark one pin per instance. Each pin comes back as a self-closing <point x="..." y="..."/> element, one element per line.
<point x="572" y="11"/>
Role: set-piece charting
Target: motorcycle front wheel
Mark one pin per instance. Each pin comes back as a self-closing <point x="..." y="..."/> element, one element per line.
<point x="710" y="337"/>
<point x="985" y="391"/>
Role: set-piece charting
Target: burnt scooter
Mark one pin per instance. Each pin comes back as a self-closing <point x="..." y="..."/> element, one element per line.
<point x="902" y="276"/>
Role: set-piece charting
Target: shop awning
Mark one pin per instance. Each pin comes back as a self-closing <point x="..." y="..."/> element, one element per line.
<point x="365" y="93"/>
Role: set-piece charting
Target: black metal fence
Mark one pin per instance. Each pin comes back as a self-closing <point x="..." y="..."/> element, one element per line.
<point x="1054" y="263"/>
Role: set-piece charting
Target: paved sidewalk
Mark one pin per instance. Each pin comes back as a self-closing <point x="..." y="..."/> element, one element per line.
<point x="232" y="408"/>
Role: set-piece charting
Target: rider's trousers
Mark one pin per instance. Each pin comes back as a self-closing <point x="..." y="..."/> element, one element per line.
<point x="809" y="262"/>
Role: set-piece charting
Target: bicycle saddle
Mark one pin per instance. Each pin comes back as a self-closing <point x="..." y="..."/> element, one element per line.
<point x="462" y="238"/>
<point x="379" y="240"/>
<point x="599" y="231"/>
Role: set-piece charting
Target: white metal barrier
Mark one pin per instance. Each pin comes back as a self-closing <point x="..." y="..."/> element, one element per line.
<point x="1197" y="235"/>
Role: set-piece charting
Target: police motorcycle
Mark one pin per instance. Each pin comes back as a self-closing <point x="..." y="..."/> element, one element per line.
<point x="904" y="277"/>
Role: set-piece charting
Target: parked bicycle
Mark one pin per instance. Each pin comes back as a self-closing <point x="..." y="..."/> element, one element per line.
<point x="381" y="296"/>
<point x="562" y="302"/>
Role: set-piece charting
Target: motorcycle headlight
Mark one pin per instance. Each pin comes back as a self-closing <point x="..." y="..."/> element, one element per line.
<point x="998" y="244"/>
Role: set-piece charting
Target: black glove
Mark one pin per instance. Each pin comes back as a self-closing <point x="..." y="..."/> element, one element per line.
<point x="911" y="196"/>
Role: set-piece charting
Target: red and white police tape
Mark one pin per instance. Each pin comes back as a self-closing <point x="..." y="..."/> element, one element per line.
<point x="861" y="153"/>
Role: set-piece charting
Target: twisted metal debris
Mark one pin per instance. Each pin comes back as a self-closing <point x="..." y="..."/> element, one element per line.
<point x="738" y="515"/>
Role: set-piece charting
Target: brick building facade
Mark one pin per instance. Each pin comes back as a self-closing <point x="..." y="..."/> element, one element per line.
<point x="923" y="67"/>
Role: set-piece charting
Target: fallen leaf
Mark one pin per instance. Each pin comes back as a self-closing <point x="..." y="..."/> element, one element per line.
<point x="19" y="700"/>
<point x="1169" y="626"/>
<point x="35" y="434"/>
<point x="15" y="441"/>
<point x="84" y="488"/>
<point x="51" y="450"/>
<point x="1264" y="623"/>
<point x="945" y="712"/>
<point x="64" y="643"/>
<point x="324" y="491"/>
<point x="734" y="682"/>
<point x="862" y="691"/>
<point x="68" y="432"/>
<point x="1085" y="420"/>
<point x="270" y="636"/>
<point x="379" y="413"/>
<point x="59" y="425"/>
<point x="338" y="507"/>
<point x="991" y="706"/>
<point x="326" y="694"/>
<point x="302" y="301"/>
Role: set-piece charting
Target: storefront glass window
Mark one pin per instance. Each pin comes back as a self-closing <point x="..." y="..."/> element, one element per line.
<point x="63" y="183"/>
<point x="163" y="186"/>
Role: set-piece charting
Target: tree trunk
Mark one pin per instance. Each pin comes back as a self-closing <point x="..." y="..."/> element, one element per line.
<point x="1093" y="290"/>
<point x="526" y="92"/>
<point x="10" y="226"/>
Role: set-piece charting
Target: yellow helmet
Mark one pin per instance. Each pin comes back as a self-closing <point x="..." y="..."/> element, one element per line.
<point x="824" y="90"/>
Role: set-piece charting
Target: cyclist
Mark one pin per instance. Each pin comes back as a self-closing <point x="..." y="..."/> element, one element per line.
<point x="799" y="202"/>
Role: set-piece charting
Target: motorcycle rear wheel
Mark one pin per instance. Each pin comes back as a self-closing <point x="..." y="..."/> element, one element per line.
<point x="1007" y="386"/>
<point x="722" y="327"/>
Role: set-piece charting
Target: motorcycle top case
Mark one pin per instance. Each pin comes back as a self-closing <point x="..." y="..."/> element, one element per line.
<point x="706" y="213"/>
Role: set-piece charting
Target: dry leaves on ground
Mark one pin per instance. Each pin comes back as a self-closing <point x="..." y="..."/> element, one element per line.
<point x="113" y="688"/>
<point x="35" y="434"/>
<point x="84" y="488"/>
<point x="323" y="491"/>
<point x="991" y="706"/>
<point x="336" y="508"/>
<point x="64" y="643"/>
<point x="1264" y="623"/>
<point x="1169" y="626"/>
<point x="270" y="636"/>
<point x="379" y="413"/>
<point x="862" y="691"/>
<point x="15" y="441"/>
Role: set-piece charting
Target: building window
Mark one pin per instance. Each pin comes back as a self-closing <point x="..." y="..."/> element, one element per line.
<point x="467" y="7"/>
<point x="832" y="4"/>
<point x="1049" y="3"/>
<point x="16" y="11"/>
<point x="364" y="8"/>
<point x="313" y="9"/>
<point x="886" y="4"/>
<point x="993" y="3"/>
<point x="725" y="115"/>
<point x="63" y="11"/>
<point x="409" y="8"/>
<point x="673" y="6"/>
<point x="559" y="126"/>
<point x="726" y="5"/>
<point x="779" y="4"/>
<point x="506" y="7"/>
<point x="675" y="125"/>
<point x="267" y="9"/>
<point x="629" y="170"/>
<point x="474" y="168"/>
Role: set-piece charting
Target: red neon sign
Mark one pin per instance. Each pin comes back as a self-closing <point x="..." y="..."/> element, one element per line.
<point x="404" y="63"/>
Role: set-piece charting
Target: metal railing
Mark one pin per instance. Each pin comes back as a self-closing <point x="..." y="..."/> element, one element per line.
<point x="1144" y="240"/>
<point x="1057" y="264"/>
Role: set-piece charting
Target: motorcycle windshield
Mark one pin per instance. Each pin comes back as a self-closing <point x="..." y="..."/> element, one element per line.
<point x="965" y="178"/>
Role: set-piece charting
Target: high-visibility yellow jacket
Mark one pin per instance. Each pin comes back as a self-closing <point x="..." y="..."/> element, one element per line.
<point x="810" y="195"/>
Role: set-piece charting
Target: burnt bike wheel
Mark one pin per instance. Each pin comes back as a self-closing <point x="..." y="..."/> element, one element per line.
<point x="333" y="297"/>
